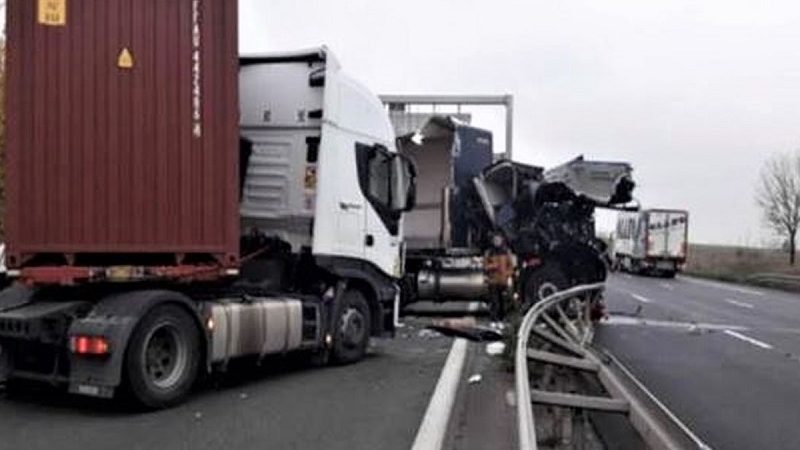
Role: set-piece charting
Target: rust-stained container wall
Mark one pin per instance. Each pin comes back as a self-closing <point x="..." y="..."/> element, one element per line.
<point x="122" y="130"/>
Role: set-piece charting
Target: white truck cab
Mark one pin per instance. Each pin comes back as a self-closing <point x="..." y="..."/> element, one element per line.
<point x="323" y="172"/>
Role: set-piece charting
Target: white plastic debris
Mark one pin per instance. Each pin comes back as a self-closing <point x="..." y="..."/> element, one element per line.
<point x="243" y="396"/>
<point x="495" y="348"/>
<point x="428" y="334"/>
<point x="499" y="326"/>
<point x="511" y="398"/>
<point x="198" y="415"/>
<point x="475" y="379"/>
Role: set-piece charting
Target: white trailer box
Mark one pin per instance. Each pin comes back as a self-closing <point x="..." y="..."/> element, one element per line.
<point x="654" y="241"/>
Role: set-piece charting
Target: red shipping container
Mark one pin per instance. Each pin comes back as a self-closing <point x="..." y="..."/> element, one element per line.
<point x="122" y="128"/>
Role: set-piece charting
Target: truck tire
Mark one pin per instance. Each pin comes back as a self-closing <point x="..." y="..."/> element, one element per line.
<point x="163" y="358"/>
<point x="541" y="282"/>
<point x="352" y="328"/>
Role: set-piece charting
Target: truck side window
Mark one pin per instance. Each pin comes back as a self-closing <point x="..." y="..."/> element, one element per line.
<point x="379" y="167"/>
<point x="375" y="178"/>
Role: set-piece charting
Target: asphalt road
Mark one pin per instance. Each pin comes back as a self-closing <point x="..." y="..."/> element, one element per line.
<point x="725" y="358"/>
<point x="376" y="404"/>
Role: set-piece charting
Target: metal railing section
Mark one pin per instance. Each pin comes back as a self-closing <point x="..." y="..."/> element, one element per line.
<point x="535" y="316"/>
<point x="563" y="322"/>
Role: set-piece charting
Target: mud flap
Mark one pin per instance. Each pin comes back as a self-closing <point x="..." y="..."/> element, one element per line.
<point x="99" y="377"/>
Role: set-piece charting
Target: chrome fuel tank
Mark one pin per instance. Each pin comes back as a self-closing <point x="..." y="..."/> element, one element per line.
<point x="260" y="327"/>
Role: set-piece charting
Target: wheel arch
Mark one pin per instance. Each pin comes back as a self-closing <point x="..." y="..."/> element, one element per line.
<point x="379" y="288"/>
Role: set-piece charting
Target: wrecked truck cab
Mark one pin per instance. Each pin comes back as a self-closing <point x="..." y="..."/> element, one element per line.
<point x="600" y="182"/>
<point x="547" y="219"/>
<point x="491" y="229"/>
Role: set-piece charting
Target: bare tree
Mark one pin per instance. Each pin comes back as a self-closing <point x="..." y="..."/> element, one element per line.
<point x="779" y="197"/>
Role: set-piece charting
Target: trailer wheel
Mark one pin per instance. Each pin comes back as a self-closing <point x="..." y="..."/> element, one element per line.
<point x="352" y="329"/>
<point x="541" y="282"/>
<point x="163" y="358"/>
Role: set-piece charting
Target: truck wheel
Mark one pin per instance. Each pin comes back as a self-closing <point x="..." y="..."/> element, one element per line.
<point x="542" y="282"/>
<point x="163" y="358"/>
<point x="352" y="329"/>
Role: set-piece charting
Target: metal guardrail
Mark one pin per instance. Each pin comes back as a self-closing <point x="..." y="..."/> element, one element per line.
<point x="563" y="321"/>
<point x="525" y="419"/>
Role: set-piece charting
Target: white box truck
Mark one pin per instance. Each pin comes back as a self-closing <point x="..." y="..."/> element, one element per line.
<point x="653" y="241"/>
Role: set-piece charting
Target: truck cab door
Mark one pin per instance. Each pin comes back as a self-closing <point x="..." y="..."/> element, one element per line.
<point x="340" y="204"/>
<point x="387" y="181"/>
<point x="381" y="224"/>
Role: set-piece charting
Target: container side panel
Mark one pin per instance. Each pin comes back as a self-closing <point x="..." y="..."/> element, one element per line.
<point x="122" y="130"/>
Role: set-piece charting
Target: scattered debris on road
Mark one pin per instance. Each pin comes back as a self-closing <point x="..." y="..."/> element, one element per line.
<point x="428" y="334"/>
<point x="468" y="328"/>
<point x="475" y="379"/>
<point x="495" y="348"/>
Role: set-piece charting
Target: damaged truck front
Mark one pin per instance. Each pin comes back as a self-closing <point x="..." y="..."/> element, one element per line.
<point x="502" y="231"/>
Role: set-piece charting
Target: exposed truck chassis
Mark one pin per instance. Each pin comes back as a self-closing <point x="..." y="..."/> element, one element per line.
<point x="86" y="337"/>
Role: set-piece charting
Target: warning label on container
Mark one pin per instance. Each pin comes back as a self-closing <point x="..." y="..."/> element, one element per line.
<point x="125" y="59"/>
<point x="53" y="12"/>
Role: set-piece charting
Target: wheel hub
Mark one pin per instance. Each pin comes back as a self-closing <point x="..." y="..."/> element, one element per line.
<point x="352" y="327"/>
<point x="165" y="356"/>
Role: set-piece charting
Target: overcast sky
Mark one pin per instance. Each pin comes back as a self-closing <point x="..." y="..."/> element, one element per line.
<point x="696" y="94"/>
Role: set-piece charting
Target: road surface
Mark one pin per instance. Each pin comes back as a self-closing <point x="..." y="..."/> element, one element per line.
<point x="725" y="358"/>
<point x="379" y="403"/>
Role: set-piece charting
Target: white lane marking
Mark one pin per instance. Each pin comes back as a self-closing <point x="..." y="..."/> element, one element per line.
<point x="433" y="429"/>
<point x="739" y="304"/>
<point x="748" y="339"/>
<point x="667" y="286"/>
<point x="640" y="298"/>
<point x="728" y="287"/>
<point x="636" y="321"/>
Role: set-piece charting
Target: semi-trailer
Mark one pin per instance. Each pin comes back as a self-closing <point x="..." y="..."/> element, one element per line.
<point x="172" y="206"/>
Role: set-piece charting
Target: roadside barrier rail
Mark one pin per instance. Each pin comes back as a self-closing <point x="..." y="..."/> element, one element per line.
<point x="558" y="331"/>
